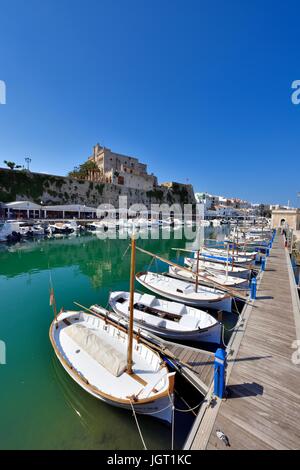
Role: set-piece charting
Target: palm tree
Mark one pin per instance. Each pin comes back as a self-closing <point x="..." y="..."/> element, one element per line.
<point x="12" y="165"/>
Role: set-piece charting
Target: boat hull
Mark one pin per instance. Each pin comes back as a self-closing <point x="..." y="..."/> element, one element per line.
<point x="223" y="304"/>
<point x="210" y="334"/>
<point x="160" y="405"/>
<point x="160" y="408"/>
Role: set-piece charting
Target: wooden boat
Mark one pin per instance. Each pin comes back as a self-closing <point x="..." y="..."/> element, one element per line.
<point x="250" y="255"/>
<point x="185" y="292"/>
<point x="219" y="267"/>
<point x="206" y="275"/>
<point x="112" y="364"/>
<point x="168" y="319"/>
<point x="223" y="257"/>
<point x="93" y="353"/>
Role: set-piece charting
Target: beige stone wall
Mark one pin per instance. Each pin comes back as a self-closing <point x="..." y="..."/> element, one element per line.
<point x="36" y="187"/>
<point x="286" y="217"/>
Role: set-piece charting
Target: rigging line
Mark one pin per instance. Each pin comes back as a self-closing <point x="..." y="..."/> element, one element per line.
<point x="173" y="424"/>
<point x="150" y="264"/>
<point x="137" y="423"/>
<point x="125" y="252"/>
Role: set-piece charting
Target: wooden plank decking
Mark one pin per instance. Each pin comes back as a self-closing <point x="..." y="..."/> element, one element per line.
<point x="199" y="365"/>
<point x="263" y="407"/>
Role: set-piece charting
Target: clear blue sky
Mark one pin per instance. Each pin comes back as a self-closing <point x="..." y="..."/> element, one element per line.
<point x="195" y="89"/>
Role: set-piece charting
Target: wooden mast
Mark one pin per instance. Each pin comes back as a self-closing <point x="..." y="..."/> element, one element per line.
<point x="227" y="261"/>
<point x="197" y="272"/>
<point x="131" y="302"/>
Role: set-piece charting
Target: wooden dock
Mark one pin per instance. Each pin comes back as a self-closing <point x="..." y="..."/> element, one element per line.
<point x="195" y="365"/>
<point x="262" y="410"/>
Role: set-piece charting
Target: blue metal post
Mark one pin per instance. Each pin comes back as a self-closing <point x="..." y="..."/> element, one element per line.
<point x="253" y="289"/>
<point x="268" y="251"/>
<point x="263" y="264"/>
<point x="220" y="372"/>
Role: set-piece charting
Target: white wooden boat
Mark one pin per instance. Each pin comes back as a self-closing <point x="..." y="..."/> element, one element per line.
<point x="167" y="319"/>
<point x="93" y="352"/>
<point x="220" y="267"/>
<point x="208" y="275"/>
<point x="250" y="255"/>
<point x="223" y="257"/>
<point x="185" y="292"/>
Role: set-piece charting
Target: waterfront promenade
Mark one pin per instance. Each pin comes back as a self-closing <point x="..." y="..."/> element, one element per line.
<point x="262" y="410"/>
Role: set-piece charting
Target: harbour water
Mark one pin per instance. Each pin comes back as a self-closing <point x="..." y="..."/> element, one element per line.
<point x="41" y="407"/>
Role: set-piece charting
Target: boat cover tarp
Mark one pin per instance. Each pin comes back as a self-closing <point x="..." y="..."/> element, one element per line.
<point x="104" y="353"/>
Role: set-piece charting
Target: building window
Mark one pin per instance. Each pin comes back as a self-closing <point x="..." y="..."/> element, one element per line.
<point x="120" y="179"/>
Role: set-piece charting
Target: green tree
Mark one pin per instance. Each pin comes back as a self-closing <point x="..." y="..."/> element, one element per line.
<point x="12" y="165"/>
<point x="82" y="171"/>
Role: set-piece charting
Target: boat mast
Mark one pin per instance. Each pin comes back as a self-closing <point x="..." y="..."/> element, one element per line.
<point x="227" y="261"/>
<point x="131" y="301"/>
<point x="197" y="272"/>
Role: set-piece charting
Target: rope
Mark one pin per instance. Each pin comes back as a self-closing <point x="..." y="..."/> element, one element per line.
<point x="173" y="424"/>
<point x="189" y="410"/>
<point x="158" y="411"/>
<point x="230" y="329"/>
<point x="150" y="264"/>
<point x="223" y="339"/>
<point x="137" y="423"/>
<point x="125" y="252"/>
<point x="235" y="304"/>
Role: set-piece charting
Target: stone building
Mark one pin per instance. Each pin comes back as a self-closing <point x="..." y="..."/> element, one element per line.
<point x="120" y="169"/>
<point x="286" y="218"/>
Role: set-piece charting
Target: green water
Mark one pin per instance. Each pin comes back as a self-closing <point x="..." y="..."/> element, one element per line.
<point x="40" y="406"/>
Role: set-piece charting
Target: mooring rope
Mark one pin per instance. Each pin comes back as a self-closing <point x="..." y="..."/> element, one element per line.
<point x="158" y="411"/>
<point x="190" y="410"/>
<point x="138" y="426"/>
<point x="173" y="425"/>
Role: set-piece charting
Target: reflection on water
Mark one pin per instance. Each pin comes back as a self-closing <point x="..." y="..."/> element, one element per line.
<point x="41" y="406"/>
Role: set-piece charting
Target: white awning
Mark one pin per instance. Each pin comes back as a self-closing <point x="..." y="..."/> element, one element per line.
<point x="22" y="206"/>
<point x="69" y="208"/>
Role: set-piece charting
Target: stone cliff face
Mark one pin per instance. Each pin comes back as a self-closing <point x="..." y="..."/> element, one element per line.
<point x="50" y="189"/>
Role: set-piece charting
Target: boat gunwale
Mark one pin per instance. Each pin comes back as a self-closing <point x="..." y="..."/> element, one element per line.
<point x="85" y="384"/>
<point x="163" y="293"/>
<point x="188" y="332"/>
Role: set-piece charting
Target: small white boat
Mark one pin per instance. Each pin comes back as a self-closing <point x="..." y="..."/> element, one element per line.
<point x="61" y="228"/>
<point x="220" y="267"/>
<point x="216" y="222"/>
<point x="185" y="292"/>
<point x="32" y="230"/>
<point x="171" y="221"/>
<point x="205" y="223"/>
<point x="10" y="230"/>
<point x="238" y="255"/>
<point x="14" y="230"/>
<point x="209" y="276"/>
<point x="93" y="352"/>
<point x="168" y="319"/>
<point x="96" y="227"/>
<point x="204" y="254"/>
